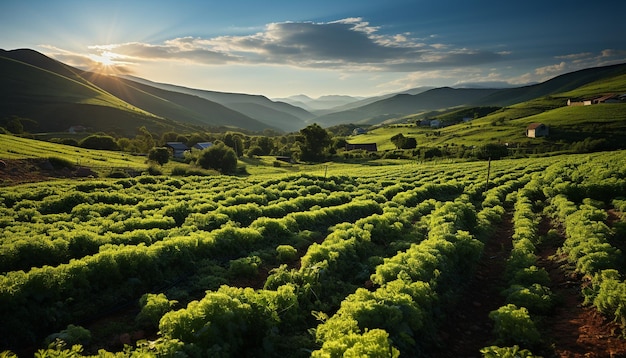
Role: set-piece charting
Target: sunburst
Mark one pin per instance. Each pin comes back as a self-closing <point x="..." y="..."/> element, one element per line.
<point x="105" y="62"/>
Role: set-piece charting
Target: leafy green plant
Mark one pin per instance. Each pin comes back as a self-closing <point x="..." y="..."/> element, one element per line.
<point x="513" y="325"/>
<point x="153" y="307"/>
<point x="286" y="253"/>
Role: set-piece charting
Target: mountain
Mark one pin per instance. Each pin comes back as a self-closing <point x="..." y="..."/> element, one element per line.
<point x="399" y="105"/>
<point x="558" y="84"/>
<point x="319" y="104"/>
<point x="403" y="104"/>
<point x="57" y="96"/>
<point x="175" y="105"/>
<point x="277" y="114"/>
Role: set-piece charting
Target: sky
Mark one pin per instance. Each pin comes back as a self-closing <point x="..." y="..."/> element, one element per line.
<point x="323" y="47"/>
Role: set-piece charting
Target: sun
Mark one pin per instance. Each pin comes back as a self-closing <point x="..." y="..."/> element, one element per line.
<point x="105" y="59"/>
<point x="105" y="63"/>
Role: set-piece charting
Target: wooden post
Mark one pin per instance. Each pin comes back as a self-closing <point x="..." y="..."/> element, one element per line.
<point x="488" y="174"/>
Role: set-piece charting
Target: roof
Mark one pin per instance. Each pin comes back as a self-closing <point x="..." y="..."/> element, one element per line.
<point x="203" y="145"/>
<point x="177" y="145"/>
<point x="535" y="125"/>
<point x="604" y="98"/>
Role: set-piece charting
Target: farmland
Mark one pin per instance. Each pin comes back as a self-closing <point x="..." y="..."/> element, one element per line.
<point x="344" y="259"/>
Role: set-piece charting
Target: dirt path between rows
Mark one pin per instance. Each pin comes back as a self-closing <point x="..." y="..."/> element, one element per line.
<point x="576" y="331"/>
<point x="572" y="331"/>
<point x="468" y="328"/>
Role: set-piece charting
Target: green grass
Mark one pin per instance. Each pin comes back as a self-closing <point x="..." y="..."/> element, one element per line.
<point x="12" y="147"/>
<point x="41" y="84"/>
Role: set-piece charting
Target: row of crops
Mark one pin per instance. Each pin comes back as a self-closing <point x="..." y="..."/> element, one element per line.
<point x="366" y="261"/>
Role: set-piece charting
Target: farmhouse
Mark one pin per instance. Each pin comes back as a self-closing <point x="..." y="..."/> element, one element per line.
<point x="370" y="147"/>
<point x="178" y="149"/>
<point x="609" y="98"/>
<point x="358" y="131"/>
<point x="579" y="103"/>
<point x="202" y="145"/>
<point x="435" y="123"/>
<point x="535" y="130"/>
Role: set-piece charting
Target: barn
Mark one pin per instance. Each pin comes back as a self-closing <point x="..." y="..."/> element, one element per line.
<point x="535" y="130"/>
<point x="370" y="147"/>
<point x="178" y="149"/>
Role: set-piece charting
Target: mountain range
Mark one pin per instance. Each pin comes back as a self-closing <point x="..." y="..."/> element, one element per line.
<point x="55" y="96"/>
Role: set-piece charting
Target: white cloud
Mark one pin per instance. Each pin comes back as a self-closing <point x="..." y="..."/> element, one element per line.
<point x="346" y="44"/>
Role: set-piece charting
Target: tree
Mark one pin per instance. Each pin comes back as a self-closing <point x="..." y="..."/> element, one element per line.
<point x="144" y="139"/>
<point x="254" y="151"/>
<point x="266" y="144"/>
<point x="169" y="137"/>
<point x="159" y="155"/>
<point x="219" y="157"/>
<point x="235" y="141"/>
<point x="402" y="142"/>
<point x="95" y="141"/>
<point x="493" y="151"/>
<point x="316" y="140"/>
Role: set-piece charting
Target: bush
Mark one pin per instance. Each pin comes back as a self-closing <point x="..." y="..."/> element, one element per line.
<point x="103" y="142"/>
<point x="71" y="335"/>
<point x="286" y="253"/>
<point x="153" y="307"/>
<point x="245" y="267"/>
<point x="513" y="325"/>
<point x="160" y="155"/>
<point x="154" y="170"/>
<point x="60" y="163"/>
<point x="219" y="157"/>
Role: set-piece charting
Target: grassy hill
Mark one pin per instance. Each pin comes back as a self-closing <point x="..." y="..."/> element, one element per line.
<point x="568" y="125"/>
<point x="404" y="104"/>
<point x="57" y="96"/>
<point x="277" y="114"/>
<point x="174" y="105"/>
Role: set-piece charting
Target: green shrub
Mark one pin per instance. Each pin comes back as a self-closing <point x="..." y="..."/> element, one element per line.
<point x="506" y="352"/>
<point x="153" y="307"/>
<point x="247" y="267"/>
<point x="286" y="253"/>
<point x="60" y="163"/>
<point x="154" y="170"/>
<point x="513" y="325"/>
<point x="71" y="335"/>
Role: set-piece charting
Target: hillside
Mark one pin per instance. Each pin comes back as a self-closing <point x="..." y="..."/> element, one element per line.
<point x="55" y="101"/>
<point x="175" y="105"/>
<point x="596" y="127"/>
<point x="404" y="104"/>
<point x="56" y="96"/>
<point x="275" y="113"/>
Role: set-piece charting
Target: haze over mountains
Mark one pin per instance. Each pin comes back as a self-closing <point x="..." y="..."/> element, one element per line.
<point x="56" y="96"/>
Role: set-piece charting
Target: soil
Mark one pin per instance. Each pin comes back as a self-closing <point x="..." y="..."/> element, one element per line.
<point x="468" y="328"/>
<point x="19" y="171"/>
<point x="577" y="331"/>
<point x="572" y="331"/>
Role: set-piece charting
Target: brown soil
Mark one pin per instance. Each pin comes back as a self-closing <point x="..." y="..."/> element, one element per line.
<point x="468" y="328"/>
<point x="572" y="331"/>
<point x="19" y="171"/>
<point x="576" y="331"/>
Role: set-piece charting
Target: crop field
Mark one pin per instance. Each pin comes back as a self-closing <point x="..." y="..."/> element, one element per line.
<point x="339" y="261"/>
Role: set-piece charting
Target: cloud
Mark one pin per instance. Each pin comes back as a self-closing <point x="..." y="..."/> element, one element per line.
<point x="349" y="44"/>
<point x="573" y="62"/>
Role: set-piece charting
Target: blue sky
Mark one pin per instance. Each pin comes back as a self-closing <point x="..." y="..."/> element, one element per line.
<point x="360" y="48"/>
